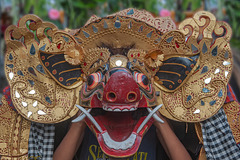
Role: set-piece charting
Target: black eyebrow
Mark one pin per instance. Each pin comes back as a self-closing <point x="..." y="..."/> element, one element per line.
<point x="114" y="50"/>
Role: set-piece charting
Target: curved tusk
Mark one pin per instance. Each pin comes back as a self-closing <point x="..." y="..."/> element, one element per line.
<point x="151" y="113"/>
<point x="80" y="117"/>
<point x="155" y="116"/>
<point x="90" y="117"/>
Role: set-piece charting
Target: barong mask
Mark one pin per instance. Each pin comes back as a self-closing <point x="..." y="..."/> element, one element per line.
<point x="119" y="70"/>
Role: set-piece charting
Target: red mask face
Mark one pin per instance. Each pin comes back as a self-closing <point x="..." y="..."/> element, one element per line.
<point x="118" y="98"/>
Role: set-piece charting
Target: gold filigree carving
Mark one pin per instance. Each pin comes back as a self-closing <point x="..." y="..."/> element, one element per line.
<point x="151" y="37"/>
<point x="137" y="57"/>
<point x="65" y="43"/>
<point x="24" y="157"/>
<point x="163" y="24"/>
<point x="232" y="111"/>
<point x="204" y="92"/>
<point x="95" y="58"/>
<point x="14" y="132"/>
<point x="36" y="94"/>
<point x="173" y="44"/>
<point x="154" y="59"/>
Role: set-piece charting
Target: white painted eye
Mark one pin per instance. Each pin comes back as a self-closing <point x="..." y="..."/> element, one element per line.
<point x="40" y="112"/>
<point x="11" y="75"/>
<point x="208" y="80"/>
<point x="29" y="113"/>
<point x="225" y="63"/>
<point x="118" y="63"/>
<point x="24" y="104"/>
<point x="17" y="94"/>
<point x="32" y="92"/>
<point x="197" y="111"/>
<point x="217" y="71"/>
<point x="35" y="104"/>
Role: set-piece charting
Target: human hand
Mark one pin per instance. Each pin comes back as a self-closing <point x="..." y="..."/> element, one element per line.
<point x="77" y="121"/>
<point x="160" y="116"/>
<point x="160" y="126"/>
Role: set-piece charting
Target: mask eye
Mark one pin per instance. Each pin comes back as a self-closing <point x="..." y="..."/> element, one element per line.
<point x="142" y="80"/>
<point x="93" y="80"/>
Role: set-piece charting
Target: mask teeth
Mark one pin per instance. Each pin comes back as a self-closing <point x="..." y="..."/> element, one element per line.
<point x="90" y="117"/>
<point x="151" y="113"/>
<point x="119" y="109"/>
<point x="80" y="117"/>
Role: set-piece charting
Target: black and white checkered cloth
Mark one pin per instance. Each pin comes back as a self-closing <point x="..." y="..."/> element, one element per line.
<point x="218" y="140"/>
<point x="41" y="141"/>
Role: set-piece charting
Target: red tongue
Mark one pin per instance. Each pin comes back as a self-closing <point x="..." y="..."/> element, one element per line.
<point x="118" y="124"/>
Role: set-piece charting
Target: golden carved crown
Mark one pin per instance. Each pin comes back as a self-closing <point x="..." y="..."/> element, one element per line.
<point x="45" y="67"/>
<point x="115" y="29"/>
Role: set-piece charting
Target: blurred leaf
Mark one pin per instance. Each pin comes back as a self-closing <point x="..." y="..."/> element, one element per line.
<point x="27" y="6"/>
<point x="79" y="4"/>
<point x="196" y="4"/>
<point x="185" y="4"/>
<point x="233" y="12"/>
<point x="235" y="43"/>
<point x="237" y="13"/>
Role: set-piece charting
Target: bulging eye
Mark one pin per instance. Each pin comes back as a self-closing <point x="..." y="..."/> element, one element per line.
<point x="142" y="80"/>
<point x="93" y="80"/>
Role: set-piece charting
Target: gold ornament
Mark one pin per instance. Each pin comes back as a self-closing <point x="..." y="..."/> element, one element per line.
<point x="118" y="61"/>
<point x="154" y="59"/>
<point x="233" y="116"/>
<point x="14" y="133"/>
<point x="189" y="66"/>
<point x="203" y="92"/>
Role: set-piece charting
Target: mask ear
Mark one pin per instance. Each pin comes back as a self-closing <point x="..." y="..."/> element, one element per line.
<point x="62" y="59"/>
<point x="174" y="60"/>
<point x="37" y="93"/>
<point x="193" y="83"/>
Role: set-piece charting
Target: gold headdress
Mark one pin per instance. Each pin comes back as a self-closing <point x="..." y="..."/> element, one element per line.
<point x="45" y="67"/>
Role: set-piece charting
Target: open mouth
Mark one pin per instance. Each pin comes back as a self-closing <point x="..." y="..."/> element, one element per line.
<point x="119" y="132"/>
<point x="119" y="125"/>
<point x="119" y="137"/>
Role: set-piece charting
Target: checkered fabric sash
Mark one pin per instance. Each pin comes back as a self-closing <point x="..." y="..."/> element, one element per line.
<point x="218" y="140"/>
<point x="41" y="141"/>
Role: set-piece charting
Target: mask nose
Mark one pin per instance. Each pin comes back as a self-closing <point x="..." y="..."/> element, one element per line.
<point x="121" y="88"/>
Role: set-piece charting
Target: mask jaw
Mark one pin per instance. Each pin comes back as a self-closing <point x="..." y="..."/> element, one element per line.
<point x="126" y="146"/>
<point x="120" y="149"/>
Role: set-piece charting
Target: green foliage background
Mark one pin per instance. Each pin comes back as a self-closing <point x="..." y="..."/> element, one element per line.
<point x="78" y="12"/>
